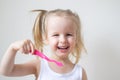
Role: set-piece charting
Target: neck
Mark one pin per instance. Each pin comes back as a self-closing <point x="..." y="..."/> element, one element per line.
<point x="64" y="60"/>
<point x="67" y="65"/>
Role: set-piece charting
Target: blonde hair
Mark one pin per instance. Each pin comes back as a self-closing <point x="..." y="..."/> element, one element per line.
<point x="39" y="29"/>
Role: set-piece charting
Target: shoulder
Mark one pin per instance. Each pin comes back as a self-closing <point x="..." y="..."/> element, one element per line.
<point x="34" y="65"/>
<point x="84" y="75"/>
<point x="82" y="72"/>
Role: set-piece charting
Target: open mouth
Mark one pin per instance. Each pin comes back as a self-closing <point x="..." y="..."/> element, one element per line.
<point x="62" y="48"/>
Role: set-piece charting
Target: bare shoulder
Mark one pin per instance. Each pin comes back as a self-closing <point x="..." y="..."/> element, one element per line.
<point x="84" y="75"/>
<point x="35" y="65"/>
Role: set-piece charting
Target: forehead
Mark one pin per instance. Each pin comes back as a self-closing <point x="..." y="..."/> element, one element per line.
<point x="60" y="23"/>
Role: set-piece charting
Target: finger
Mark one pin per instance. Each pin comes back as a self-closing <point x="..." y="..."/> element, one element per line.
<point x="28" y="46"/>
<point x="25" y="49"/>
<point x="32" y="47"/>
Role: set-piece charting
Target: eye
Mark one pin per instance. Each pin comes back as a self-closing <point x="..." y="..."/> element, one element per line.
<point x="69" y="34"/>
<point x="56" y="35"/>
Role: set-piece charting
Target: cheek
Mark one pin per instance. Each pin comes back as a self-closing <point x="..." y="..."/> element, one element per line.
<point x="72" y="40"/>
<point x="52" y="42"/>
<point x="73" y="44"/>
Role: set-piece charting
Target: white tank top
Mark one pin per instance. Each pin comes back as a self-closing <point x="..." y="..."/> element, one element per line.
<point x="47" y="74"/>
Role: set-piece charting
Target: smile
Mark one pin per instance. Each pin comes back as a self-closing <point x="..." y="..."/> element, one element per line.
<point x="63" y="47"/>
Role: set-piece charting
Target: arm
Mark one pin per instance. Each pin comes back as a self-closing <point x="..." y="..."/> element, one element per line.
<point x="84" y="75"/>
<point x="7" y="66"/>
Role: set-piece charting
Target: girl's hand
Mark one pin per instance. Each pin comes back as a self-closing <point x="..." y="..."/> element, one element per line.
<point x="9" y="68"/>
<point x="25" y="46"/>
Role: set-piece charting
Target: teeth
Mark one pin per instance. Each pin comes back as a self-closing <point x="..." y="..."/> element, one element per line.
<point x="62" y="47"/>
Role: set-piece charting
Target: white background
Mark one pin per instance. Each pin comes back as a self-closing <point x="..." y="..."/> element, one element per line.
<point x="101" y="30"/>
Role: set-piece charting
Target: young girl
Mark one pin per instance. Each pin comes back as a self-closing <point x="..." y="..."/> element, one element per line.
<point x="61" y="30"/>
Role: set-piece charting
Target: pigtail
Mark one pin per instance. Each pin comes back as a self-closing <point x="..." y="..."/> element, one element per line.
<point x="38" y="29"/>
<point x="80" y="45"/>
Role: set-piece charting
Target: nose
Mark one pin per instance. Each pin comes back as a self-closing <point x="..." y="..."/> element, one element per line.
<point x="62" y="39"/>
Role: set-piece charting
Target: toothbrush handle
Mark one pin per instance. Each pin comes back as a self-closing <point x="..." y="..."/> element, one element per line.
<point x="40" y="54"/>
<point x="36" y="52"/>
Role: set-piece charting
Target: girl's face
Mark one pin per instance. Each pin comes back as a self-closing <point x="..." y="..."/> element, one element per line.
<point x="61" y="35"/>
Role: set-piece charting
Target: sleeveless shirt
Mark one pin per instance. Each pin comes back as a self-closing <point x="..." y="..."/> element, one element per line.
<point x="47" y="74"/>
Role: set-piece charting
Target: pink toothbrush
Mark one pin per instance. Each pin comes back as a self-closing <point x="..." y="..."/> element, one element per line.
<point x="36" y="52"/>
